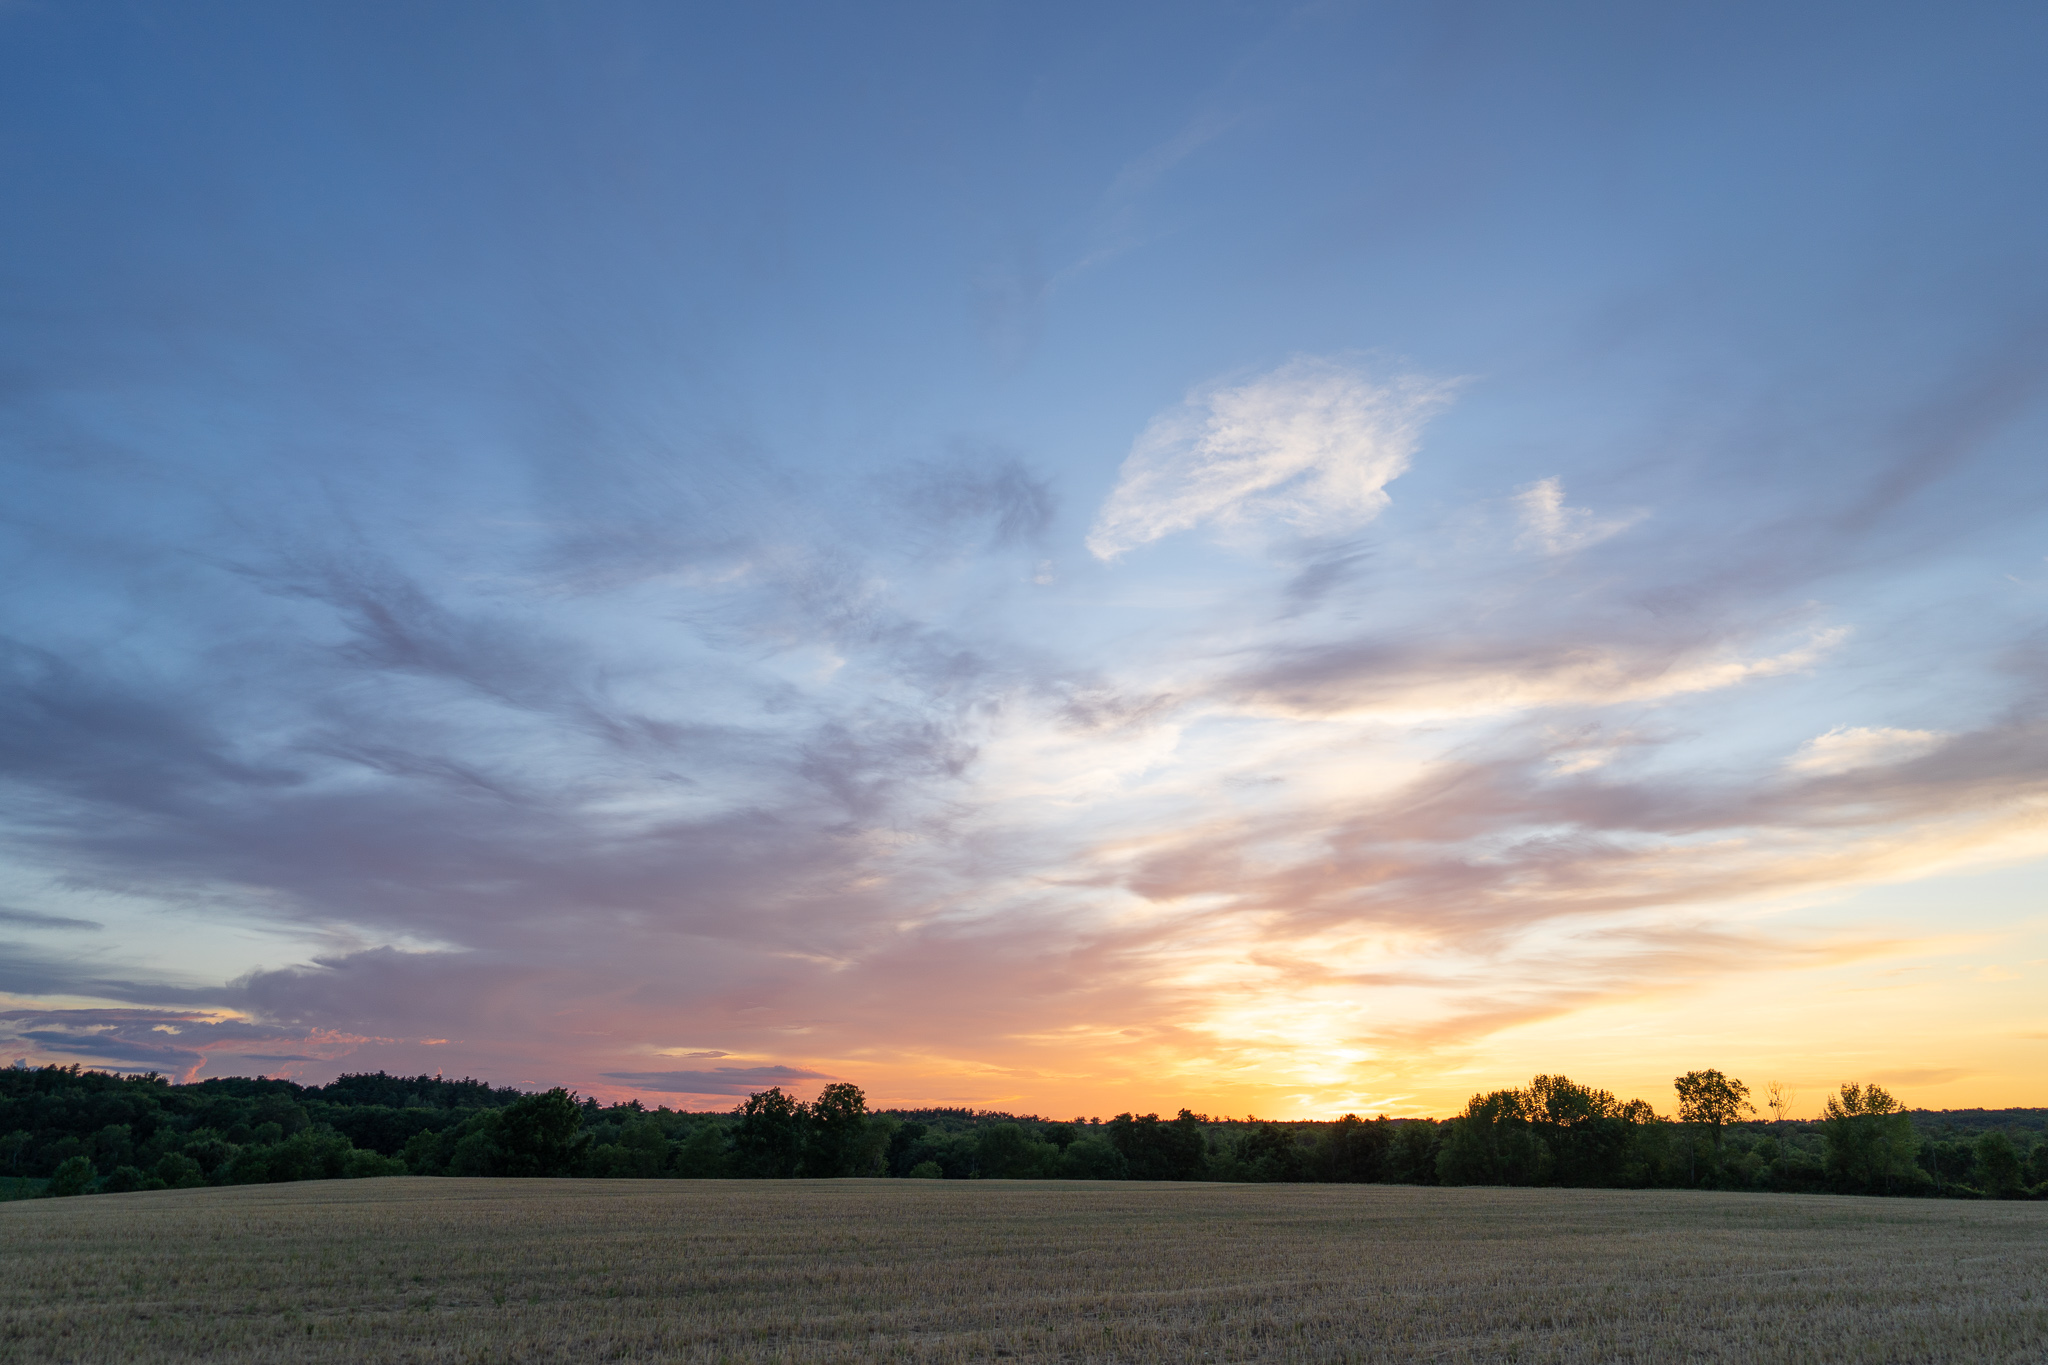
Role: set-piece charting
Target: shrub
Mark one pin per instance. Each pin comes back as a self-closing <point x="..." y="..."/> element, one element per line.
<point x="74" y="1176"/>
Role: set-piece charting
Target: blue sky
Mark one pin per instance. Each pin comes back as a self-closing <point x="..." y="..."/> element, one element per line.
<point x="1275" y="558"/>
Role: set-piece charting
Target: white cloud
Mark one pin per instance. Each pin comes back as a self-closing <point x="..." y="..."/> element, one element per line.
<point x="1556" y="529"/>
<point x="1313" y="443"/>
<point x="1843" y="750"/>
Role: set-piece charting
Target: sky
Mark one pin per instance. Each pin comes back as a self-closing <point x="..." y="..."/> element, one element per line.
<point x="1277" y="559"/>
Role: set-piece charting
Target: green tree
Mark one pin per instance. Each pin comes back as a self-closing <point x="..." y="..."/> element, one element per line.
<point x="75" y="1176"/>
<point x="1708" y="1099"/>
<point x="839" y="1120"/>
<point x="1267" y="1153"/>
<point x="871" y="1149"/>
<point x="537" y="1135"/>
<point x="1711" y="1099"/>
<point x="768" y="1139"/>
<point x="112" y="1146"/>
<point x="1493" y="1143"/>
<point x="1353" y="1151"/>
<point x="209" y="1149"/>
<point x="1998" y="1167"/>
<point x="1092" y="1158"/>
<point x="703" y="1153"/>
<point x="1155" y="1150"/>
<point x="1004" y="1151"/>
<point x="2037" y="1164"/>
<point x="640" y="1153"/>
<point x="1870" y="1142"/>
<point x="1412" y="1159"/>
<point x="127" y="1178"/>
<point x="1587" y="1131"/>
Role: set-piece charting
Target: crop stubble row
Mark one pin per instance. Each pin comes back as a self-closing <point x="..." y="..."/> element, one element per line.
<point x="459" y="1270"/>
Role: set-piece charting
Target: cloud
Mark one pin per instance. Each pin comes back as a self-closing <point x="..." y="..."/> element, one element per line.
<point x="691" y="748"/>
<point x="990" y="494"/>
<point x="1928" y="1075"/>
<point x="177" y="1043"/>
<point x="32" y="920"/>
<point x="1312" y="444"/>
<point x="1846" y="749"/>
<point x="724" y="1080"/>
<point x="1555" y="529"/>
<point x="1509" y="671"/>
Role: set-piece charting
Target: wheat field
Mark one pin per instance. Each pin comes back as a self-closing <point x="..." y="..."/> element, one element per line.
<point x="500" y="1270"/>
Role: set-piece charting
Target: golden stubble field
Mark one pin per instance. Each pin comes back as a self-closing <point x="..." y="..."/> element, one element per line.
<point x="502" y="1270"/>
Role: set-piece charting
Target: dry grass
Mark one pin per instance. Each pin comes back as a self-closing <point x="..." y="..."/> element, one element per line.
<point x="459" y="1270"/>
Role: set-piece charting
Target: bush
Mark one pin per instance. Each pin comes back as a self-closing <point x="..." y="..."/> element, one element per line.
<point x="127" y="1178"/>
<point x="74" y="1176"/>
<point x="359" y="1164"/>
<point x="926" y="1170"/>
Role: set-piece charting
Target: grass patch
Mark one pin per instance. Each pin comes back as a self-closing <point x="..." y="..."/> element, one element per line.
<point x="562" y="1270"/>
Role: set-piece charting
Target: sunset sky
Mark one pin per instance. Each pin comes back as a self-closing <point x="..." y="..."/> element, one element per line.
<point x="1277" y="559"/>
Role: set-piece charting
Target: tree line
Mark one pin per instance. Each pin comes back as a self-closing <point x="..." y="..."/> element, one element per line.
<point x="66" y="1131"/>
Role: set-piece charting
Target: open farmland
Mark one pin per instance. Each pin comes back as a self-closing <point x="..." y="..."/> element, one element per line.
<point x="503" y="1270"/>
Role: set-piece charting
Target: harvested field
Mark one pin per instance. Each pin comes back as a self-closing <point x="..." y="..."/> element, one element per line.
<point x="460" y="1270"/>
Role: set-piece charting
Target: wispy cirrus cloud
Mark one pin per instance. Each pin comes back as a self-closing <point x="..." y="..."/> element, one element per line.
<point x="1311" y="445"/>
<point x="30" y="919"/>
<point x="1555" y="529"/>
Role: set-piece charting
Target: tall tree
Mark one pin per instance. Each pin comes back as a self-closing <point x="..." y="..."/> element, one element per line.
<point x="1870" y="1141"/>
<point x="1156" y="1150"/>
<point x="1493" y="1143"/>
<point x="1712" y="1099"/>
<point x="538" y="1135"/>
<point x="768" y="1139"/>
<point x="1778" y="1098"/>
<point x="839" y="1119"/>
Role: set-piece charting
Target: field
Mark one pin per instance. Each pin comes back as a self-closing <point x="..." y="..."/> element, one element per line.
<point x="480" y="1270"/>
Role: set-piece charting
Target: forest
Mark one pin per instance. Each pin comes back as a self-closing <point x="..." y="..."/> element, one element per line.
<point x="66" y="1131"/>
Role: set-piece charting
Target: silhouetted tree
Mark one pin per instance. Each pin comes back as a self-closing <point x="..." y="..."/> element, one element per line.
<point x="702" y="1155"/>
<point x="1870" y="1141"/>
<point x="537" y="1135"/>
<point x="839" y="1119"/>
<point x="1093" y="1158"/>
<point x="1412" y="1160"/>
<point x="1352" y="1151"/>
<point x="1998" y="1167"/>
<point x="1005" y="1151"/>
<point x="768" y="1139"/>
<point x="1492" y="1143"/>
<point x="1264" y="1152"/>
<point x="1709" y="1099"/>
<point x="1161" y="1151"/>
<point x="1712" y="1099"/>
